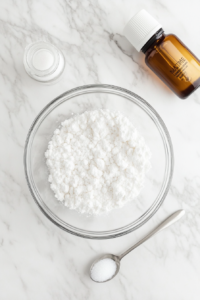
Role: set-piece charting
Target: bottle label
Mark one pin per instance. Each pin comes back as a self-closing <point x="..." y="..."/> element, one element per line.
<point x="179" y="69"/>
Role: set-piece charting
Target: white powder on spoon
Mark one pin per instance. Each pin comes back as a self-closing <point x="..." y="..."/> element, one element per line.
<point x="103" y="270"/>
<point x="97" y="161"/>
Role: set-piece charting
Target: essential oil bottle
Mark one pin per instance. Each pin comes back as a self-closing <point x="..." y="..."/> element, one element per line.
<point x="165" y="55"/>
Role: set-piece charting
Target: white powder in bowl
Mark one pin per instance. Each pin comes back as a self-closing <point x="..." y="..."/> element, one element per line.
<point x="97" y="161"/>
<point x="103" y="270"/>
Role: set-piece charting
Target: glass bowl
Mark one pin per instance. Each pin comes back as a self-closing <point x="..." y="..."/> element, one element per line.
<point x="135" y="213"/>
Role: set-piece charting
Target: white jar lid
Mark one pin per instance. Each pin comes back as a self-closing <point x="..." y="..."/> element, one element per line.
<point x="140" y="28"/>
<point x="43" y="61"/>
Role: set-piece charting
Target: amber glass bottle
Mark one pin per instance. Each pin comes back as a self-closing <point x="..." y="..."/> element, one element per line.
<point x="165" y="55"/>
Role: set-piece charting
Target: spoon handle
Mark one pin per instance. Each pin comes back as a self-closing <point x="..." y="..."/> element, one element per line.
<point x="166" y="223"/>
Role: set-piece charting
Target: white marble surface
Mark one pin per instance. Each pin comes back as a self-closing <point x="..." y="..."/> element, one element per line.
<point x="37" y="259"/>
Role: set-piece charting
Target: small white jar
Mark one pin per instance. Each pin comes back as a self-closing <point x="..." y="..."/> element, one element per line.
<point x="43" y="61"/>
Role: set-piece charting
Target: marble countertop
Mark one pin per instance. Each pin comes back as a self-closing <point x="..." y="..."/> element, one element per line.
<point x="37" y="259"/>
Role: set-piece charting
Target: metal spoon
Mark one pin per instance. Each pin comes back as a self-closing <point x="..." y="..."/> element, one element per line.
<point x="166" y="223"/>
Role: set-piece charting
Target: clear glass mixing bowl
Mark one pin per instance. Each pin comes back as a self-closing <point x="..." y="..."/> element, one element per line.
<point x="135" y="213"/>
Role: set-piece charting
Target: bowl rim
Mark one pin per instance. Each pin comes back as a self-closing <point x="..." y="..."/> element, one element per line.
<point x="169" y="165"/>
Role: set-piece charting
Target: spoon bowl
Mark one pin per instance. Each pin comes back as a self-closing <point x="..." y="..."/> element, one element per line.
<point x="115" y="258"/>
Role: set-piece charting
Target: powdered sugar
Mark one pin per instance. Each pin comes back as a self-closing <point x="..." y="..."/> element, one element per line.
<point x="103" y="270"/>
<point x="97" y="161"/>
